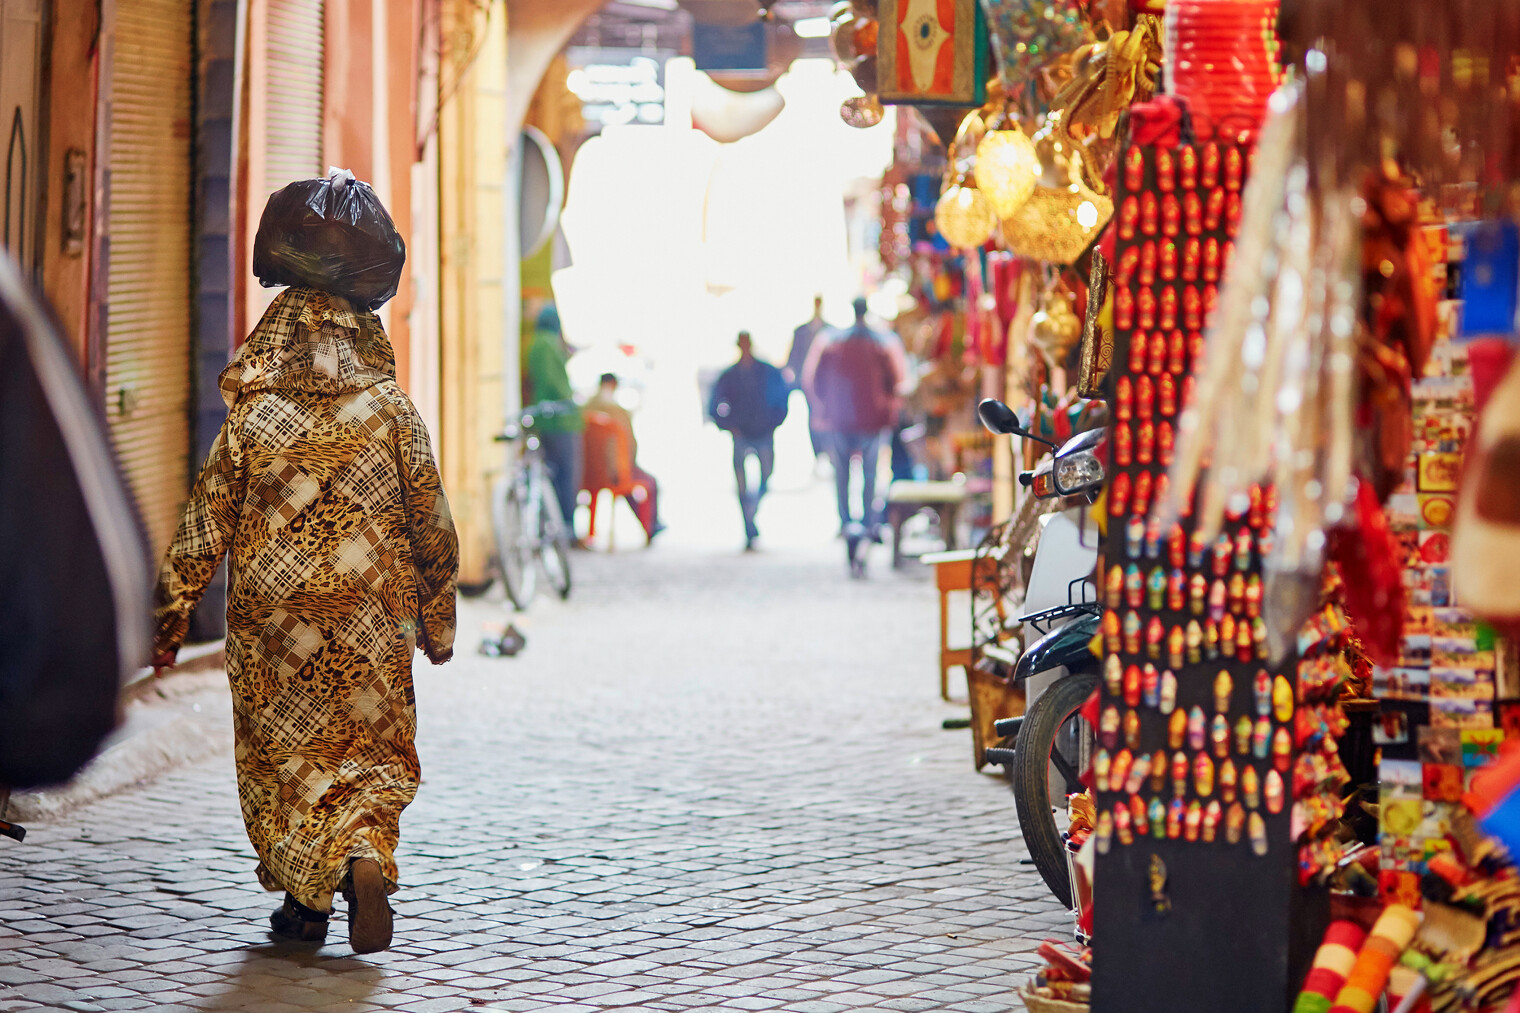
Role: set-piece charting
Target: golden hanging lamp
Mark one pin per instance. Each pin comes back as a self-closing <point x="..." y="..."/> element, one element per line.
<point x="1007" y="166"/>
<point x="1063" y="215"/>
<point x="965" y="216"/>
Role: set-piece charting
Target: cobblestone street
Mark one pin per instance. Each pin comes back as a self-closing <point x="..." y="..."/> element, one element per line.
<point x="711" y="781"/>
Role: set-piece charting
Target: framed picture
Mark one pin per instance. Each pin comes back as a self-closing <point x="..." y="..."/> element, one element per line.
<point x="932" y="52"/>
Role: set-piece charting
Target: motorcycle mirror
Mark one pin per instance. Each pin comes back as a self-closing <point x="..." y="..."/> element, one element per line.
<point x="999" y="418"/>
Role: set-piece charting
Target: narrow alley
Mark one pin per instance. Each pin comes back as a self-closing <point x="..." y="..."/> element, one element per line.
<point x="711" y="781"/>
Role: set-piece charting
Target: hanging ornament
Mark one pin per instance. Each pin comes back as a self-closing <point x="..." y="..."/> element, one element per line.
<point x="1063" y="215"/>
<point x="965" y="217"/>
<point x="862" y="111"/>
<point x="1007" y="168"/>
<point x="1029" y="34"/>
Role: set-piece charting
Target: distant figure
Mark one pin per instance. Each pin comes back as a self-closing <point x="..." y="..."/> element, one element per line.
<point x="803" y="339"/>
<point x="854" y="378"/>
<point x="643" y="499"/>
<point x="559" y="432"/>
<point x="749" y="402"/>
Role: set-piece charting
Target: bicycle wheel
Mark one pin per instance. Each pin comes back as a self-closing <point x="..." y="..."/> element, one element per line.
<point x="514" y="549"/>
<point x="554" y="544"/>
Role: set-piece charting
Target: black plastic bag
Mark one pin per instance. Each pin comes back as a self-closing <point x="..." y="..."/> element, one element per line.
<point x="331" y="234"/>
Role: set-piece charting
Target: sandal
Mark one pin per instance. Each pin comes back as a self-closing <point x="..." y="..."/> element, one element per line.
<point x="294" y="920"/>
<point x="369" y="912"/>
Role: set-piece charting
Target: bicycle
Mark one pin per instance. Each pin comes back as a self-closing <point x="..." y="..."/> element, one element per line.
<point x="531" y="533"/>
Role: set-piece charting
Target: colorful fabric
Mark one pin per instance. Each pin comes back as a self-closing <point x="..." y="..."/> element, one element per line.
<point x="322" y="485"/>
<point x="1332" y="962"/>
<point x="1390" y="935"/>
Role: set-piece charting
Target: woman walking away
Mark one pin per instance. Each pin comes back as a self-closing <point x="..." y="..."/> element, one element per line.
<point x="322" y="485"/>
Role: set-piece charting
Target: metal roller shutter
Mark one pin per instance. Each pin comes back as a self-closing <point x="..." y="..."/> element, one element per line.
<point x="148" y="346"/>
<point x="293" y="108"/>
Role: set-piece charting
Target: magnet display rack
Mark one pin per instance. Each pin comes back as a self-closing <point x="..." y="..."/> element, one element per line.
<point x="1197" y="907"/>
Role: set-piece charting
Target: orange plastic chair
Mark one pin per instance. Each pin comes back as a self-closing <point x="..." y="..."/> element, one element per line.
<point x="608" y="465"/>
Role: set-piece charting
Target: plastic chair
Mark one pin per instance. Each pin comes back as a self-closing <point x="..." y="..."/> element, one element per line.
<point x="608" y="466"/>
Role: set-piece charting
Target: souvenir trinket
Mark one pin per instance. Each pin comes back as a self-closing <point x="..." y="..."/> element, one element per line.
<point x="1129" y="218"/>
<point x="1168" y="692"/>
<point x="1192" y="309"/>
<point x="1259" y="638"/>
<point x="1211" y="260"/>
<point x="1224" y="689"/>
<point x="1187" y="162"/>
<point x="1124" y="309"/>
<point x="1166" y="177"/>
<point x="1158" y="770"/>
<point x="1131" y="685"/>
<point x="1142" y="502"/>
<point x="1227" y="634"/>
<point x="1137" y="774"/>
<point x="1198" y="590"/>
<point x="1244" y="645"/>
<point x="1193" y="210"/>
<point x="1124" y="399"/>
<point x="1211" y="817"/>
<point x="1219" y="735"/>
<point x="1156" y="358"/>
<point x="1258" y="835"/>
<point x="1210" y="640"/>
<point x="1197" y="728"/>
<point x="1137" y="811"/>
<point x="1180" y="770"/>
<point x="1168" y="266"/>
<point x="1124" y="450"/>
<point x="1118" y="495"/>
<point x="1227" y="780"/>
<point x="1113" y="673"/>
<point x="1174" y="816"/>
<point x="1209" y="176"/>
<point x="1103" y="833"/>
<point x="1222" y="551"/>
<point x="1282" y="750"/>
<point x="1150" y="213"/>
<point x="1272" y="789"/>
<point x="1214" y="212"/>
<point x="1282" y="699"/>
<point x="1134" y="169"/>
<point x="1203" y="775"/>
<point x="1253" y="596"/>
<point x="1157" y="815"/>
<point x="1234" y="169"/>
<point x="1192" y="821"/>
<point x="1194" y="642"/>
<point x="1243" y="735"/>
<point x="1150" y="686"/>
<point x="1192" y="259"/>
<point x="1145" y="446"/>
<point x="1197" y="548"/>
<point x="1176" y="591"/>
<point x="1233" y="208"/>
<point x="1112" y="641"/>
<point x="1237" y="593"/>
<point x="1261" y="738"/>
<point x="1132" y="632"/>
<point x="1176" y="729"/>
<point x="1243" y="550"/>
<point x="1147" y="275"/>
<point x="1166" y="441"/>
<point x="1166" y="389"/>
<point x="1133" y="587"/>
<point x="1134" y="542"/>
<point x="1250" y="787"/>
<point x="1118" y="771"/>
<point x="1176" y="546"/>
<point x="1175" y="643"/>
<point x="1167" y="310"/>
<point x="1234" y="823"/>
<point x="1136" y="349"/>
<point x="1108" y="729"/>
<point x="1154" y="634"/>
<point x="1153" y="537"/>
<point x="1103" y="762"/>
<point x="1218" y="598"/>
<point x="1261" y="690"/>
<point x="1122" y="829"/>
<point x="1131" y="732"/>
<point x="1171" y="215"/>
<point x="1113" y="587"/>
<point x="1155" y="587"/>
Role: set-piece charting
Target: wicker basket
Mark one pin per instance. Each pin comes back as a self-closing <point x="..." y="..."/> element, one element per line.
<point x="1039" y="1004"/>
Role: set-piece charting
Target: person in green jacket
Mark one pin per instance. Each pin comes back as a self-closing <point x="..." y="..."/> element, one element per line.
<point x="559" y="432"/>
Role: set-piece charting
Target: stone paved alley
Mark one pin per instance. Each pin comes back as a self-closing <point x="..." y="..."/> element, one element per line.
<point x="710" y="782"/>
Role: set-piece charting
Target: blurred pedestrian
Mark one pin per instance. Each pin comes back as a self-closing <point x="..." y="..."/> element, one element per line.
<point x="645" y="498"/>
<point x="74" y="573"/>
<point x="749" y="402"/>
<point x="559" y="429"/>
<point x="322" y="484"/>
<point x="796" y="361"/>
<point x="854" y="377"/>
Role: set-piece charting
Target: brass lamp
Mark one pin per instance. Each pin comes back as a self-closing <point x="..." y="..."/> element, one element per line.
<point x="1007" y="168"/>
<point x="1063" y="215"/>
<point x="965" y="216"/>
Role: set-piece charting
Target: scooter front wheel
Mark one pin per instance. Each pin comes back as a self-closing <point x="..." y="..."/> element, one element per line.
<point x="1053" y="743"/>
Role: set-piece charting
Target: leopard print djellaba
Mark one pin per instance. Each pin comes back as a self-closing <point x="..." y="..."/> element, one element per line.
<point x="322" y="486"/>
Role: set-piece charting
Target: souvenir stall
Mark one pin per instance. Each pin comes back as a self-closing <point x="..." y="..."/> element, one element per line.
<point x="1288" y="237"/>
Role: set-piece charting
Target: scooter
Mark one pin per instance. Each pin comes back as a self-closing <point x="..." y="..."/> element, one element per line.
<point x="1052" y="742"/>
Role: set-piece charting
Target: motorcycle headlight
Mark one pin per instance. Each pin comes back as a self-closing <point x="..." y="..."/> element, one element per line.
<point x="1078" y="472"/>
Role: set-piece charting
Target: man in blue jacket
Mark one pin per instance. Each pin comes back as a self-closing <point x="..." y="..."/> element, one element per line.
<point x="749" y="402"/>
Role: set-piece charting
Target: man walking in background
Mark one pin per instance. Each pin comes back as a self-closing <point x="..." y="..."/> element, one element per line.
<point x="853" y="379"/>
<point x="803" y="339"/>
<point x="749" y="402"/>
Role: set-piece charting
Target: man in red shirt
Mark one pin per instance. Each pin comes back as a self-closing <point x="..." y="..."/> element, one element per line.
<point x="854" y="379"/>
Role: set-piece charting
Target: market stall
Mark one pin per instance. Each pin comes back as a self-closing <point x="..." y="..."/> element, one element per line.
<point x="1279" y="247"/>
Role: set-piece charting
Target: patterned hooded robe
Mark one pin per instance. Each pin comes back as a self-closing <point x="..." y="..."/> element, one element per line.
<point x="323" y="487"/>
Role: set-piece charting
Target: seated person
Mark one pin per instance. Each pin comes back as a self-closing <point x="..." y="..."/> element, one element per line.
<point x="643" y="497"/>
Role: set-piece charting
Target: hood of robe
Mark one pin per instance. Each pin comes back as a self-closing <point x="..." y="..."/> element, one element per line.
<point x="313" y="342"/>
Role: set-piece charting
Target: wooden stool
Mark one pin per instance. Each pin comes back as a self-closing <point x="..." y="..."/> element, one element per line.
<point x="904" y="499"/>
<point x="953" y="571"/>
